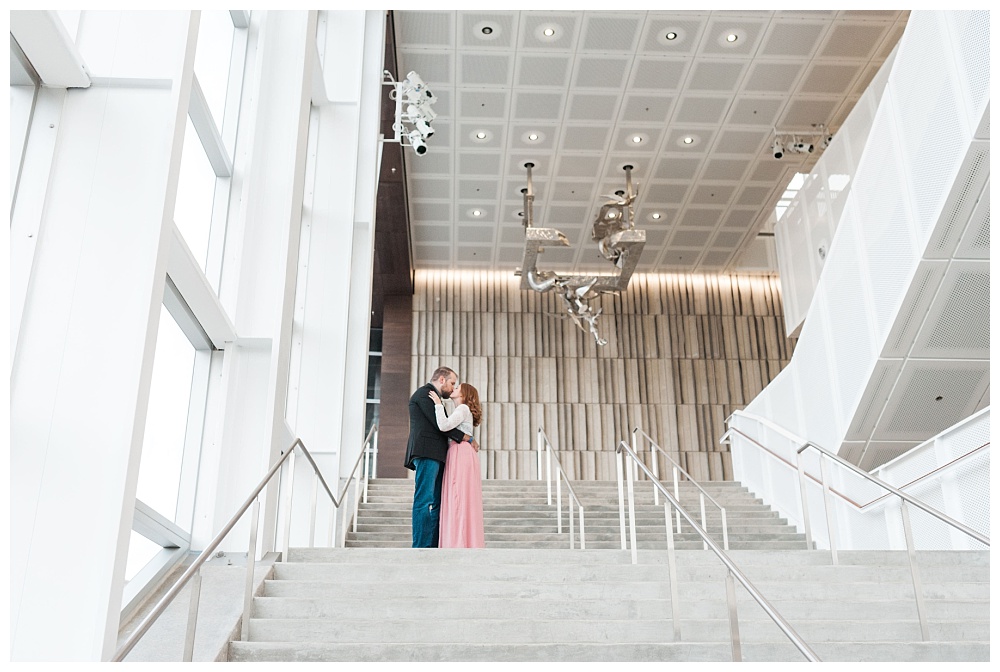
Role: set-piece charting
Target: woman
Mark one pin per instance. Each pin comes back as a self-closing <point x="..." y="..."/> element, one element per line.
<point x="462" y="490"/>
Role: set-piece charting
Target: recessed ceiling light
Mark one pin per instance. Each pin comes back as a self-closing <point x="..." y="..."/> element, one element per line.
<point x="656" y="215"/>
<point x="477" y="213"/>
<point x="549" y="32"/>
<point x="487" y="30"/>
<point x="481" y="135"/>
<point x="731" y="37"/>
<point x="671" y="35"/>
<point x="532" y="136"/>
<point x="636" y="139"/>
<point x="688" y="140"/>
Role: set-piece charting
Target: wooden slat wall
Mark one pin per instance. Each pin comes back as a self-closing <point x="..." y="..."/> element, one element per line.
<point x="683" y="352"/>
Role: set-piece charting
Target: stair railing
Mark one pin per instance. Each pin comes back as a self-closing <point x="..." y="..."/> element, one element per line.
<point x="677" y="470"/>
<point x="193" y="573"/>
<point x="828" y="493"/>
<point x="733" y="571"/>
<point x="543" y="443"/>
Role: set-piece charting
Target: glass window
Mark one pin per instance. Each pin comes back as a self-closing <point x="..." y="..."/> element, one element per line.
<point x="195" y="196"/>
<point x="212" y="57"/>
<point x="166" y="419"/>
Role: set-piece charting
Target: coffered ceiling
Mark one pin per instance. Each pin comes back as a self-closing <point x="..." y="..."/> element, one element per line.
<point x="573" y="102"/>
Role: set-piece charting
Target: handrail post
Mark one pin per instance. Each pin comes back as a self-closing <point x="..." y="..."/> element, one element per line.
<point x="677" y="496"/>
<point x="548" y="468"/>
<point x="366" y="469"/>
<point x="251" y="563"/>
<point x="734" y="620"/>
<point x="911" y="554"/>
<point x="374" y="472"/>
<point x="725" y="531"/>
<point x="631" y="511"/>
<point x="675" y="600"/>
<point x="312" y="511"/>
<point x="357" y="500"/>
<point x="288" y="504"/>
<point x="832" y="533"/>
<point x="804" y="499"/>
<point x="192" y="621"/>
<point x="343" y="524"/>
<point x="569" y="510"/>
<point x="558" y="499"/>
<point x="621" y="497"/>
<point x="704" y="520"/>
<point x="538" y="452"/>
<point x="583" y="538"/>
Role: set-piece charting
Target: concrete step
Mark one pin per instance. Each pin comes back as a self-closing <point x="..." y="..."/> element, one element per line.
<point x="607" y="652"/>
<point x="581" y="571"/>
<point x="456" y="556"/>
<point x="376" y="607"/>
<point x="536" y="630"/>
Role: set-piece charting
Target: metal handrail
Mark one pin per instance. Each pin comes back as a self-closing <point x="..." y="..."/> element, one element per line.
<point x="193" y="571"/>
<point x="677" y="491"/>
<point x="733" y="570"/>
<point x="805" y="444"/>
<point x="549" y="451"/>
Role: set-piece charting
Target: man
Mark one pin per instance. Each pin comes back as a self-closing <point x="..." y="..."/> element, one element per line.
<point x="426" y="450"/>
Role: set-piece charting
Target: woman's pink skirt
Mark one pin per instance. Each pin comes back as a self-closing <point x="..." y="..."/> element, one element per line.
<point x="462" y="499"/>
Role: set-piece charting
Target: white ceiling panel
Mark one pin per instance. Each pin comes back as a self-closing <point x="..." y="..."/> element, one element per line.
<point x="584" y="84"/>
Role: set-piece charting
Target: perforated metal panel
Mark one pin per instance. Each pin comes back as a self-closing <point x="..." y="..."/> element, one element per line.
<point x="975" y="242"/>
<point x="873" y="399"/>
<point x="852" y="332"/>
<point x="958" y="324"/>
<point x="885" y="219"/>
<point x="967" y="188"/>
<point x="929" y="396"/>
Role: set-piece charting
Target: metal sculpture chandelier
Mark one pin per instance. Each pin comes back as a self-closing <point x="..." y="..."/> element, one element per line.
<point x="617" y="239"/>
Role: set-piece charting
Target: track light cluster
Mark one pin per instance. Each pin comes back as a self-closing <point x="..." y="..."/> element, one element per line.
<point x="414" y="113"/>
<point x="800" y="143"/>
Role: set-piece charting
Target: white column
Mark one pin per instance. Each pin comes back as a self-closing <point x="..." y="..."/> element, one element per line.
<point x="81" y="374"/>
<point x="328" y="374"/>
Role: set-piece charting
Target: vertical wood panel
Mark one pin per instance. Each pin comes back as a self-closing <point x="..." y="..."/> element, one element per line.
<point x="683" y="352"/>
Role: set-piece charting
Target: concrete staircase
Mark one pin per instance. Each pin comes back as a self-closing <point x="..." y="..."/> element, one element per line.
<point x="522" y="600"/>
<point x="517" y="516"/>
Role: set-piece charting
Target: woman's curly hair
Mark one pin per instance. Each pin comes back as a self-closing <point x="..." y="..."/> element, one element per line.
<point x="470" y="396"/>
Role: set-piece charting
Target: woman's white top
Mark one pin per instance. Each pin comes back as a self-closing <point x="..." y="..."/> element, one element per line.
<point x="461" y="418"/>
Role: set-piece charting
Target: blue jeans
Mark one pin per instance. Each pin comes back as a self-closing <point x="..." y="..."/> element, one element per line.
<point x="427" y="501"/>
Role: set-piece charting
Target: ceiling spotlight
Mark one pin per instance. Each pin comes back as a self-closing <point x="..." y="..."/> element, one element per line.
<point x="637" y="139"/>
<point x="487" y="30"/>
<point x="825" y="142"/>
<point x="549" y="32"/>
<point x="417" y="142"/>
<point x="731" y="37"/>
<point x="656" y="215"/>
<point x="801" y="147"/>
<point x="481" y="135"/>
<point x="778" y="148"/>
<point x="671" y="35"/>
<point x="688" y="140"/>
<point x="533" y="136"/>
<point x="477" y="213"/>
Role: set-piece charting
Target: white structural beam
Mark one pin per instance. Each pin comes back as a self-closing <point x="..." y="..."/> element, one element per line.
<point x="81" y="376"/>
<point x="198" y="298"/>
<point x="330" y="342"/>
<point x="49" y="48"/>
